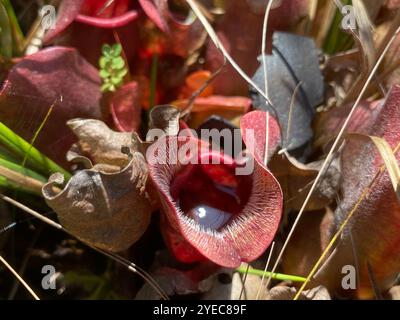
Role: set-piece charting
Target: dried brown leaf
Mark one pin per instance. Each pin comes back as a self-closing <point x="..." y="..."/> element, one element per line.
<point x="99" y="142"/>
<point x="110" y="211"/>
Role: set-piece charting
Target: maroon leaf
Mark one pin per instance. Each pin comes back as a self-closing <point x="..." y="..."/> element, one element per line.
<point x="68" y="11"/>
<point x="153" y="13"/>
<point x="253" y="126"/>
<point x="56" y="76"/>
<point x="87" y="12"/>
<point x="329" y="123"/>
<point x="80" y="25"/>
<point x="125" y="107"/>
<point x="375" y="223"/>
<point x="208" y="210"/>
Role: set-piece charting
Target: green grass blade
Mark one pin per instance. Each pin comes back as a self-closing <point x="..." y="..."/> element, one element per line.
<point x="5" y="33"/>
<point x="20" y="169"/>
<point x="276" y="276"/>
<point x="338" y="40"/>
<point x="18" y="35"/>
<point x="35" y="158"/>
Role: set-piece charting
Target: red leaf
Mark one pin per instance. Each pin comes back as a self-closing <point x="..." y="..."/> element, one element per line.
<point x="125" y="108"/>
<point x="79" y="26"/>
<point x="55" y="75"/>
<point x="239" y="230"/>
<point x="68" y="11"/>
<point x="254" y="123"/>
<point x="152" y="11"/>
<point x="375" y="225"/>
<point x="329" y="123"/>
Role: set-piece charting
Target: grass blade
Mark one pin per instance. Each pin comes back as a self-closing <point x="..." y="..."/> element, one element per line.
<point x="5" y="33"/>
<point x="35" y="158"/>
<point x="275" y="276"/>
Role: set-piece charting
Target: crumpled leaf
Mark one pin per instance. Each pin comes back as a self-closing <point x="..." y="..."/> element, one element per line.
<point x="125" y="107"/>
<point x="99" y="142"/>
<point x="374" y="225"/>
<point x="288" y="293"/>
<point x="240" y="30"/>
<point x="235" y="241"/>
<point x="109" y="211"/>
<point x="294" y="60"/>
<point x="55" y="76"/>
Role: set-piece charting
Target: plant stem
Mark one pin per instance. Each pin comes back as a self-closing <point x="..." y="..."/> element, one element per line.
<point x="153" y="79"/>
<point x="276" y="276"/>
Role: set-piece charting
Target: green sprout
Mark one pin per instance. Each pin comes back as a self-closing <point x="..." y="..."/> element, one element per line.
<point x="112" y="67"/>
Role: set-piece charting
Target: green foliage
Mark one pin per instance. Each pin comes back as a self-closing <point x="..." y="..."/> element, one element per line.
<point x="337" y="39"/>
<point x="112" y="67"/>
<point x="5" y="33"/>
<point x="12" y="39"/>
<point x="21" y="148"/>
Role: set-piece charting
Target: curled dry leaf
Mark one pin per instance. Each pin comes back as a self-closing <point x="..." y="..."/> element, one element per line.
<point x="367" y="191"/>
<point x="109" y="211"/>
<point x="209" y="212"/>
<point x="100" y="143"/>
<point x="55" y="76"/>
<point x="295" y="87"/>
